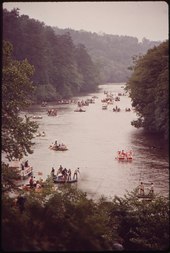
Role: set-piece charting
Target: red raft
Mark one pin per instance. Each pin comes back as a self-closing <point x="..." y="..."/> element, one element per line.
<point x="124" y="156"/>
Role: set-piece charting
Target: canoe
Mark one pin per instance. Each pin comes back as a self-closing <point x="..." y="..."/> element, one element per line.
<point x="61" y="181"/>
<point x="146" y="197"/>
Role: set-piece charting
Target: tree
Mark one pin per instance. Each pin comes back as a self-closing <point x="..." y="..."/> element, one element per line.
<point x="67" y="79"/>
<point x="67" y="220"/>
<point x="53" y="56"/>
<point x="142" y="225"/>
<point x="17" y="132"/>
<point x="87" y="69"/>
<point x="148" y="89"/>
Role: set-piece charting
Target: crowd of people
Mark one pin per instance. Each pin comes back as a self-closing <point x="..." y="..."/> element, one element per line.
<point x="65" y="174"/>
<point x="35" y="184"/>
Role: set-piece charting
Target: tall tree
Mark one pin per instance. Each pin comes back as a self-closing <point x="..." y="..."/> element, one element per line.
<point x="148" y="87"/>
<point x="67" y="77"/>
<point x="17" y="89"/>
<point x="87" y="69"/>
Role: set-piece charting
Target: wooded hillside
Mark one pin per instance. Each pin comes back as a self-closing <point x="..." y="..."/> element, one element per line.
<point x="69" y="62"/>
<point x="112" y="53"/>
<point x="61" y="68"/>
<point x="148" y="88"/>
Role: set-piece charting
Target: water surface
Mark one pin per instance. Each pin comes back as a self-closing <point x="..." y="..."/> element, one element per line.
<point x="93" y="139"/>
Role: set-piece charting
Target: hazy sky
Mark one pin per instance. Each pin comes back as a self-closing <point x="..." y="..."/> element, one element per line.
<point x="139" y="19"/>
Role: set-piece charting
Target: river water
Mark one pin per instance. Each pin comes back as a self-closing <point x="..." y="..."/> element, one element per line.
<point x="93" y="139"/>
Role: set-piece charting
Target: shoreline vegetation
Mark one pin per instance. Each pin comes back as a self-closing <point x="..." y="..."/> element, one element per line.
<point x="56" y="217"/>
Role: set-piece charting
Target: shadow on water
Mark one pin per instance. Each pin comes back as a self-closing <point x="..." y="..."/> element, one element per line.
<point x="151" y="159"/>
<point x="150" y="144"/>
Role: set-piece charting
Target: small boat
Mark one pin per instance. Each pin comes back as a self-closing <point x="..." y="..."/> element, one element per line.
<point x="124" y="159"/>
<point x="60" y="147"/>
<point x="145" y="191"/>
<point x="145" y="196"/>
<point x="116" y="109"/>
<point x="127" y="110"/>
<point x="28" y="171"/>
<point x="37" y="117"/>
<point x="124" y="156"/>
<point x="24" y="171"/>
<point x="104" y="107"/>
<point x="27" y="187"/>
<point x="117" y="98"/>
<point x="110" y="102"/>
<point x="52" y="112"/>
<point x="62" y="181"/>
<point x="43" y="104"/>
<point x="39" y="134"/>
<point x="79" y="110"/>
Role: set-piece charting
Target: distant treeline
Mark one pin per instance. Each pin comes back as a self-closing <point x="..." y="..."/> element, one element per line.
<point x="113" y="54"/>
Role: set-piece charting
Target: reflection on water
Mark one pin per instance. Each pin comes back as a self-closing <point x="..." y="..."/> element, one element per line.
<point x="93" y="139"/>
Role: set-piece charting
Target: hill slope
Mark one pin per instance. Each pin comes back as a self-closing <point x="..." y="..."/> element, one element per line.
<point x="112" y="53"/>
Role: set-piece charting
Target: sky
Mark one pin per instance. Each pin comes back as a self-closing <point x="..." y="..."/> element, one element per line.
<point x="140" y="19"/>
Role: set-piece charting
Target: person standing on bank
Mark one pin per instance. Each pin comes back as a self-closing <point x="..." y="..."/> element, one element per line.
<point x="53" y="172"/>
<point x="151" y="191"/>
<point x="141" y="189"/>
<point x="75" y="176"/>
<point x="69" y="174"/>
<point x="31" y="182"/>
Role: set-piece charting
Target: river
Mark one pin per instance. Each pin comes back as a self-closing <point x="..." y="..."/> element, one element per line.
<point x="93" y="139"/>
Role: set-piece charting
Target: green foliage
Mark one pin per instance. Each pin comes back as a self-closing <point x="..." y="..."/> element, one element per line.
<point x="111" y="53"/>
<point x="53" y="57"/>
<point x="61" y="61"/>
<point x="142" y="225"/>
<point x="46" y="93"/>
<point x="17" y="88"/>
<point x="87" y="69"/>
<point x="148" y="88"/>
<point x="67" y="220"/>
<point x="8" y="178"/>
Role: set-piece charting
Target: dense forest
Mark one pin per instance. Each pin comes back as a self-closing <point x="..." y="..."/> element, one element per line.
<point x="61" y="68"/>
<point x="69" y="62"/>
<point x="113" y="54"/>
<point x="149" y="90"/>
